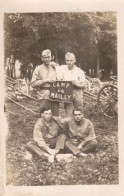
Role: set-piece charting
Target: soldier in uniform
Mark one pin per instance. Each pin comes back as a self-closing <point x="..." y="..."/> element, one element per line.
<point x="70" y="72"/>
<point x="81" y="138"/>
<point x="47" y="138"/>
<point x="43" y="75"/>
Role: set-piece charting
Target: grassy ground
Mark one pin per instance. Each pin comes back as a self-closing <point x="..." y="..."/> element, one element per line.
<point x="103" y="169"/>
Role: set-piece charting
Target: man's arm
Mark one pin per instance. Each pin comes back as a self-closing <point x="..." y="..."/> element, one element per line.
<point x="91" y="135"/>
<point x="36" y="82"/>
<point x="62" y="122"/>
<point x="79" y="84"/>
<point x="81" y="80"/>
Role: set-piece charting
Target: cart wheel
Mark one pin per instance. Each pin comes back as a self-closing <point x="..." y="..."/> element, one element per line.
<point x="107" y="101"/>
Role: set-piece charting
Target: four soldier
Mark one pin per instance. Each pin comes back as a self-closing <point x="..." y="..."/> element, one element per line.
<point x="77" y="136"/>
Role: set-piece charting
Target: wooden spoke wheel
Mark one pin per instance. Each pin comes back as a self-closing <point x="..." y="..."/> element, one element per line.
<point x="113" y="80"/>
<point x="107" y="101"/>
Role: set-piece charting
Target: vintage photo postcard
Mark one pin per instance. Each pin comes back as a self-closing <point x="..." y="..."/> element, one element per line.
<point x="61" y="118"/>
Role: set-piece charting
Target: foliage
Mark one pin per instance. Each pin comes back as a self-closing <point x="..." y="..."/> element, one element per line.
<point x="87" y="34"/>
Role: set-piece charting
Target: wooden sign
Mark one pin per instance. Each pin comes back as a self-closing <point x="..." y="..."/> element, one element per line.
<point x="61" y="91"/>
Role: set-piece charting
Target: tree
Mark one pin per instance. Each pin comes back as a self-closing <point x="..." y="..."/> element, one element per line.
<point x="91" y="36"/>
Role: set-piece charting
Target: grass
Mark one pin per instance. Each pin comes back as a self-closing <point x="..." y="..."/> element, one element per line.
<point x="103" y="169"/>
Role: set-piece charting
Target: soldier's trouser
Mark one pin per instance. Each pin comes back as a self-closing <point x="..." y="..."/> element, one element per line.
<point x="52" y="104"/>
<point x="57" y="143"/>
<point x="90" y="146"/>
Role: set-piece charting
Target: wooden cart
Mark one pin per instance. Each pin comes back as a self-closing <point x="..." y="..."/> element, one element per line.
<point x="105" y="96"/>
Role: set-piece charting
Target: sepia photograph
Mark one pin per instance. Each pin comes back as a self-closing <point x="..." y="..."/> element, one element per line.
<point x="61" y="101"/>
<point x="61" y="93"/>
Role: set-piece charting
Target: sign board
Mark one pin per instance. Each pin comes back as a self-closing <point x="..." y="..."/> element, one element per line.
<point x="61" y="91"/>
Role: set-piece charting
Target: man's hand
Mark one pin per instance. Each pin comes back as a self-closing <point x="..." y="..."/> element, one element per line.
<point x="37" y="83"/>
<point x="53" y="151"/>
<point x="79" y="146"/>
<point x="50" y="80"/>
<point x="78" y="85"/>
<point x="74" y="82"/>
<point x="54" y="65"/>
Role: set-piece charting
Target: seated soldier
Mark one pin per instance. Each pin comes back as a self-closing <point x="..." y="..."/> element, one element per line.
<point x="82" y="139"/>
<point x="47" y="140"/>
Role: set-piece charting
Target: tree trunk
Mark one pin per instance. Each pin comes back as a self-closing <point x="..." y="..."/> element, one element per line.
<point x="56" y="57"/>
<point x="97" y="67"/>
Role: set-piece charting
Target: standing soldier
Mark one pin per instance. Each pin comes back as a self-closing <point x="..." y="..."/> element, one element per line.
<point x="70" y="72"/>
<point x="43" y="75"/>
